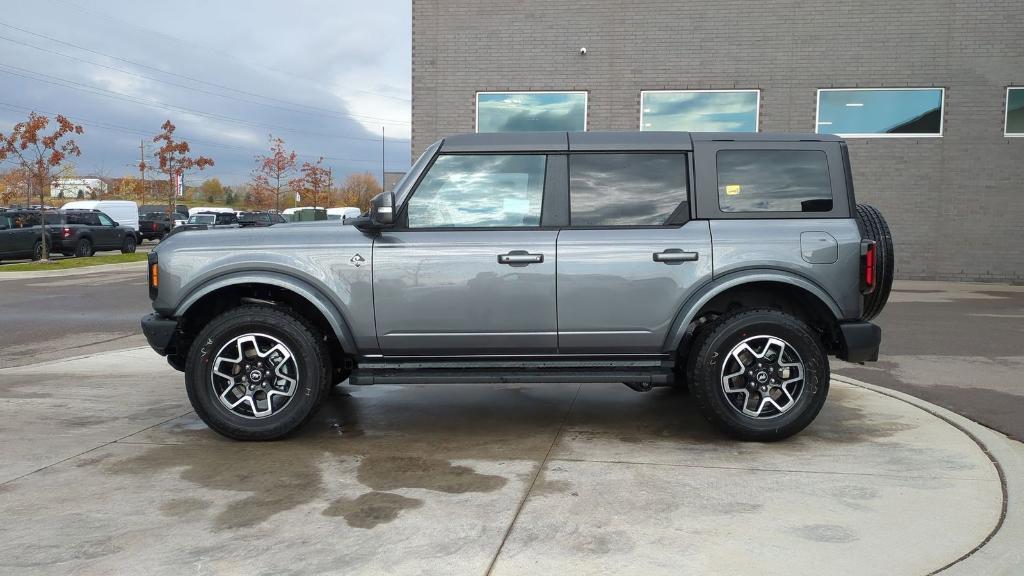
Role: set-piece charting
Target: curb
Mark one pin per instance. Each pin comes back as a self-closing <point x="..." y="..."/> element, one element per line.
<point x="71" y="271"/>
<point x="1000" y="552"/>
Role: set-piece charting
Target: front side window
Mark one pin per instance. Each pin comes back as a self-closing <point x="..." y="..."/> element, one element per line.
<point x="479" y="190"/>
<point x="881" y="112"/>
<point x="773" y="181"/>
<point x="627" y="189"/>
<point x="700" y="110"/>
<point x="1015" y="111"/>
<point x="105" y="220"/>
<point x="531" y="111"/>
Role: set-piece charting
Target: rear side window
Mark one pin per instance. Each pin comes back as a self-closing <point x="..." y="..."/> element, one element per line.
<point x="627" y="189"/>
<point x="773" y="181"/>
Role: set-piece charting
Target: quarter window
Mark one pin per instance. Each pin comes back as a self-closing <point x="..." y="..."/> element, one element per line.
<point x="627" y="189"/>
<point x="531" y="111"/>
<point x="479" y="190"/>
<point x="773" y="181"/>
<point x="700" y="110"/>
<point x="1015" y="111"/>
<point x="881" y="112"/>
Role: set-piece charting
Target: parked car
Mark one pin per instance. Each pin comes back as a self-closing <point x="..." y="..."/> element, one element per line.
<point x="209" y="210"/>
<point x="150" y="208"/>
<point x="734" y="264"/>
<point x="70" y="232"/>
<point x="213" y="219"/>
<point x="257" y="219"/>
<point x="124" y="212"/>
<point x="155" y="225"/>
<point x="343" y="213"/>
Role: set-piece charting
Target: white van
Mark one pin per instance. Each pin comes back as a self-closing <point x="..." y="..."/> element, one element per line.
<point x="124" y="212"/>
<point x="198" y="209"/>
<point x="342" y="213"/>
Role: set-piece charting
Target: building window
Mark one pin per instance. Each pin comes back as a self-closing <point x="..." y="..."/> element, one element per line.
<point x="700" y="110"/>
<point x="478" y="191"/>
<point x="1014" y="112"/>
<point x="531" y="111"/>
<point x="881" y="112"/>
<point x="627" y="189"/>
<point x="773" y="181"/>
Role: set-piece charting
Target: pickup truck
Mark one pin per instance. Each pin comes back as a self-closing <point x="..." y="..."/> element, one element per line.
<point x="154" y="225"/>
<point x="731" y="264"/>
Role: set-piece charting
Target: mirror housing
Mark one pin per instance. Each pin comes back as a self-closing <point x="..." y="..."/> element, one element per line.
<point x="381" y="214"/>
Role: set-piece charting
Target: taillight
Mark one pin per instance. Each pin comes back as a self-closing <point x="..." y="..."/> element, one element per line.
<point x="154" y="226"/>
<point x="67" y="232"/>
<point x="869" y="268"/>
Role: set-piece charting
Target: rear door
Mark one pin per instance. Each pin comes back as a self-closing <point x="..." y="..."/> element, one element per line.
<point x="470" y="267"/>
<point x="631" y="254"/>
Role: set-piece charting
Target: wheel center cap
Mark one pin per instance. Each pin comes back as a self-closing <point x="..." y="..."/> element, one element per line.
<point x="761" y="376"/>
<point x="255" y="375"/>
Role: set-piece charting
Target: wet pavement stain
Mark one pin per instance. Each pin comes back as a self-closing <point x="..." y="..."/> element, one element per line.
<point x="371" y="509"/>
<point x="827" y="533"/>
<point x="842" y="422"/>
<point x="184" y="506"/>
<point x="393" y="472"/>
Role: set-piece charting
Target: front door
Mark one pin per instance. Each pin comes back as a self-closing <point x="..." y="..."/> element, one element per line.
<point x="469" y="270"/>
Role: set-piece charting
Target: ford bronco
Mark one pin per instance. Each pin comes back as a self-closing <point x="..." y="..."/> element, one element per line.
<point x="732" y="264"/>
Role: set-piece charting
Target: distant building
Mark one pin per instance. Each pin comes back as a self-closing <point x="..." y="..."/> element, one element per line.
<point x="78" y="188"/>
<point x="391" y="179"/>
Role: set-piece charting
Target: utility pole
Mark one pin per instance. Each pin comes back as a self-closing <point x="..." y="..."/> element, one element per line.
<point x="330" y="185"/>
<point x="382" y="158"/>
<point x="142" y="168"/>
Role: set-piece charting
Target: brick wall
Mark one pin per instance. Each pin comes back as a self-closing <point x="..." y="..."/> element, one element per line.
<point x="956" y="203"/>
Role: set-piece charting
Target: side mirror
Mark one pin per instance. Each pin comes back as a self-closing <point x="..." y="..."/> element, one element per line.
<point x="115" y="224"/>
<point x="381" y="215"/>
<point x="382" y="209"/>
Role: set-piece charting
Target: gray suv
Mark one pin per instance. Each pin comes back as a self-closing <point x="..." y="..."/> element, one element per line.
<point x="732" y="264"/>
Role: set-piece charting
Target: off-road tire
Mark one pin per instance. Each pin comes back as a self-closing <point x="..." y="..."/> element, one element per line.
<point x="710" y="350"/>
<point x="129" y="245"/>
<point x="300" y="336"/>
<point x="37" y="250"/>
<point x="874" y="227"/>
<point x="84" y="248"/>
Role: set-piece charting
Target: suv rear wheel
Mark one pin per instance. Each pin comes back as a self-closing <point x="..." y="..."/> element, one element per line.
<point x="129" y="244"/>
<point x="257" y="373"/>
<point x="83" y="248"/>
<point x="759" y="374"/>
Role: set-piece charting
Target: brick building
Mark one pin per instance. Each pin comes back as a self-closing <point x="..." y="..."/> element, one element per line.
<point x="929" y="93"/>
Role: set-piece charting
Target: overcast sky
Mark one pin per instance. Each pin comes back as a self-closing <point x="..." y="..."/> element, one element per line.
<point x="323" y="75"/>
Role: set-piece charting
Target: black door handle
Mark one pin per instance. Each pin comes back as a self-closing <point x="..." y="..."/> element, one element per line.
<point x="675" y="256"/>
<point x="520" y="258"/>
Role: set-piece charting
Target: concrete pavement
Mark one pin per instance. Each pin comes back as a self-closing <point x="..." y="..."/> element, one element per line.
<point x="105" y="467"/>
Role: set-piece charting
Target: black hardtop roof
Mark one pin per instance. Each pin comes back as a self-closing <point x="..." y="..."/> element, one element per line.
<point x="609" y="141"/>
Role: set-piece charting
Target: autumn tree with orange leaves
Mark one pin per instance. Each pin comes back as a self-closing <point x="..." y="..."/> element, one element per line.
<point x="359" y="189"/>
<point x="173" y="158"/>
<point x="272" y="173"/>
<point x="313" y="184"/>
<point x="40" y="156"/>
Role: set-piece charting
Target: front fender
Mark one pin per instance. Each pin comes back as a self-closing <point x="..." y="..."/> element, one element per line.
<point x="688" y="312"/>
<point x="302" y="287"/>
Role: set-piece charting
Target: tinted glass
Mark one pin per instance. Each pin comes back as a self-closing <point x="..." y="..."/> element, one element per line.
<point x="202" y="219"/>
<point x="105" y="220"/>
<point x="700" y="111"/>
<point x="531" y="112"/>
<point x="1015" y="111"/>
<point x="480" y="190"/>
<point x="626" y="189"/>
<point x="916" y="111"/>
<point x="24" y="219"/>
<point x="773" y="181"/>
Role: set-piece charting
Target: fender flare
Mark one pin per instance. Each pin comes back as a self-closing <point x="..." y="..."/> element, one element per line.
<point x="301" y="287"/>
<point x="693" y="304"/>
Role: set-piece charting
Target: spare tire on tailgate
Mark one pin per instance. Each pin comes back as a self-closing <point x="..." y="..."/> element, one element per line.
<point x="873" y="227"/>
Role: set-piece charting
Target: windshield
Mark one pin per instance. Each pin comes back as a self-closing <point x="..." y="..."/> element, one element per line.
<point x="202" y="219"/>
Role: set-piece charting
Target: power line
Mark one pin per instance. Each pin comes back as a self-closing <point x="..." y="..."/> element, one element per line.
<point x="63" y="82"/>
<point x="185" y="77"/>
<point x="139" y="132"/>
<point x="187" y="87"/>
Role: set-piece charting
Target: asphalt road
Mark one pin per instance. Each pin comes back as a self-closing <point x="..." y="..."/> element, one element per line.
<point x="48" y="318"/>
<point x="960" y="346"/>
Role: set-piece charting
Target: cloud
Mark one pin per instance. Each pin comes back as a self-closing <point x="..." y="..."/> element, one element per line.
<point x="322" y="75"/>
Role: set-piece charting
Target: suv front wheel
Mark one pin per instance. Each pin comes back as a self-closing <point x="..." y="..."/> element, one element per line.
<point x="257" y="373"/>
<point x="759" y="375"/>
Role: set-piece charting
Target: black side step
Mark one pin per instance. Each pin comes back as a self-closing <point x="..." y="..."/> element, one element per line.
<point x="644" y="373"/>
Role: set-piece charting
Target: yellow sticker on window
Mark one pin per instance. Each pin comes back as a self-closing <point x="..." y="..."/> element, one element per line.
<point x="732" y="189"/>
